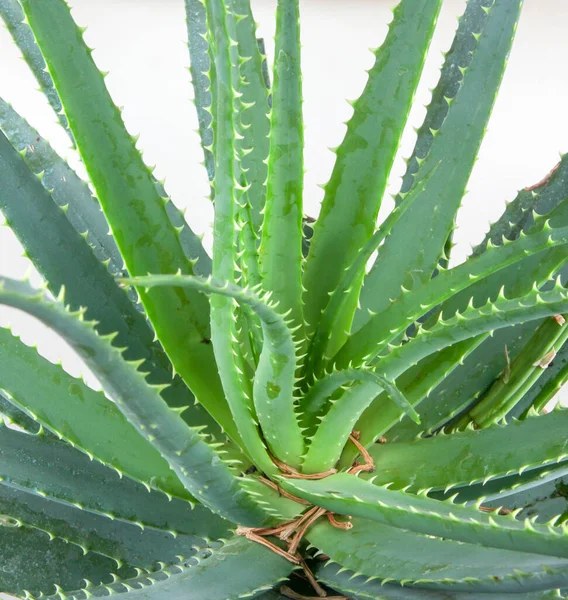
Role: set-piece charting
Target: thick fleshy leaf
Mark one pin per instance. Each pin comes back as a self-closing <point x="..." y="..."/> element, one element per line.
<point x="68" y="190"/>
<point x="196" y="16"/>
<point x="13" y="16"/>
<point x="356" y="585"/>
<point x="387" y="325"/>
<point x="473" y="456"/>
<point x="124" y="543"/>
<point x="281" y="244"/>
<point x="336" y="424"/>
<point x="521" y="374"/>
<point x="454" y="338"/>
<point x="253" y="113"/>
<point x="127" y="192"/>
<point x="407" y="261"/>
<point x="34" y="564"/>
<point x="237" y="388"/>
<point x="14" y="418"/>
<point x="498" y="490"/>
<point x="349" y="495"/>
<point x="53" y="228"/>
<point x="84" y="418"/>
<point x="474" y="374"/>
<point x="274" y="378"/>
<point x="195" y="462"/>
<point x="364" y="159"/>
<point x="54" y="470"/>
<point x="382" y="556"/>
<point x="223" y="575"/>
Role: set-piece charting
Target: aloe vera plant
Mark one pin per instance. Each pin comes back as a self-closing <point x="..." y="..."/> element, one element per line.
<point x="279" y="419"/>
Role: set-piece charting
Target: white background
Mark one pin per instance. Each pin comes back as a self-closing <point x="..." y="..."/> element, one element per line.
<point x="141" y="43"/>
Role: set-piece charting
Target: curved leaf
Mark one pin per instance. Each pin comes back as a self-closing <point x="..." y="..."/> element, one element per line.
<point x="407" y="261"/>
<point x="62" y="254"/>
<point x="472" y="456"/>
<point x="274" y="378"/>
<point x="503" y="487"/>
<point x="386" y="325"/>
<point x="124" y="543"/>
<point x="364" y="159"/>
<point x="86" y="419"/>
<point x="359" y="586"/>
<point x="127" y="192"/>
<point x="339" y="298"/>
<point x="454" y="338"/>
<point x="66" y="188"/>
<point x="13" y="16"/>
<point x="197" y="465"/>
<point x="53" y="470"/>
<point x="472" y="322"/>
<point x="280" y="252"/>
<point x="14" y="418"/>
<point x="349" y="495"/>
<point x="253" y="112"/>
<point x="196" y="16"/>
<point x="484" y="365"/>
<point x="228" y="355"/>
<point x="223" y="575"/>
<point x="337" y="423"/>
<point x="34" y="564"/>
<point x="522" y="373"/>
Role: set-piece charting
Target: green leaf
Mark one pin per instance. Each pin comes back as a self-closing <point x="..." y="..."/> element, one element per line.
<point x="68" y="190"/>
<point x="137" y="214"/>
<point x="454" y="338"/>
<point x="386" y="325"/>
<point x="428" y="560"/>
<point x="364" y="159"/>
<point x="316" y="397"/>
<point x="542" y="503"/>
<point x="457" y="58"/>
<point x="62" y="254"/>
<point x="14" y="19"/>
<point x="223" y="575"/>
<point x="196" y="18"/>
<point x="15" y="418"/>
<point x="337" y="423"/>
<point x="73" y="195"/>
<point x="253" y="110"/>
<point x="124" y="543"/>
<point x="86" y="419"/>
<point x="237" y="387"/>
<point x="524" y="371"/>
<point x="417" y="383"/>
<point x="473" y="456"/>
<point x="406" y="261"/>
<point x="265" y="70"/>
<point x="554" y="381"/>
<point x="274" y="378"/>
<point x="538" y="199"/>
<point x="196" y="463"/>
<point x="247" y="265"/>
<point x="497" y="489"/>
<point x="34" y="564"/>
<point x="340" y="297"/>
<point x="473" y="322"/>
<point x="349" y="495"/>
<point x="484" y="365"/>
<point x="281" y="245"/>
<point x="54" y="470"/>
<point x="248" y="239"/>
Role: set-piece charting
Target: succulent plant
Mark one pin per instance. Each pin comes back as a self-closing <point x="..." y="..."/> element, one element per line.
<point x="280" y="419"/>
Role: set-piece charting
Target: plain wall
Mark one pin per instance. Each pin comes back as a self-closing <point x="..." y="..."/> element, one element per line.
<point x="141" y="43"/>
